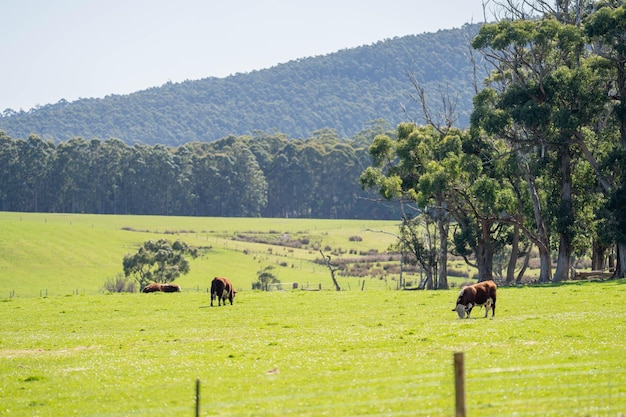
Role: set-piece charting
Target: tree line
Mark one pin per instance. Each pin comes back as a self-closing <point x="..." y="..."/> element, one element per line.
<point x="543" y="164"/>
<point x="266" y="175"/>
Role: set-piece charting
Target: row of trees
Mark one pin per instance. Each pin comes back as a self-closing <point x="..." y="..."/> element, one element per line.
<point x="544" y="161"/>
<point x="262" y="175"/>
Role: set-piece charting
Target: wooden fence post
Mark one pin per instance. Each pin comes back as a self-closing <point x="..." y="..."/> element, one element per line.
<point x="459" y="383"/>
<point x="198" y="397"/>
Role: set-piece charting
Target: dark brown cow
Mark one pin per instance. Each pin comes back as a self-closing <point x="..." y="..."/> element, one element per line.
<point x="481" y="294"/>
<point x="223" y="289"/>
<point x="170" y="288"/>
<point x="156" y="287"/>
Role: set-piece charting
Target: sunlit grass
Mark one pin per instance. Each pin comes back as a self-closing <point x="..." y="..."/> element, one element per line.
<point x="60" y="254"/>
<point x="553" y="350"/>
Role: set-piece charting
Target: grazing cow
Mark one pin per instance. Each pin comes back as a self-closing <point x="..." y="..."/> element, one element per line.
<point x="481" y="294"/>
<point x="223" y="289"/>
<point x="156" y="287"/>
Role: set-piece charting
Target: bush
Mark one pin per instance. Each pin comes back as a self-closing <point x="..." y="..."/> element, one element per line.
<point x="120" y="283"/>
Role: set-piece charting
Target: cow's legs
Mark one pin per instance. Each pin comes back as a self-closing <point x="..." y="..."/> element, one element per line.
<point x="488" y="305"/>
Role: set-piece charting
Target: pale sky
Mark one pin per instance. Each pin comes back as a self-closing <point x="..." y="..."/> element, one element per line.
<point x="69" y="49"/>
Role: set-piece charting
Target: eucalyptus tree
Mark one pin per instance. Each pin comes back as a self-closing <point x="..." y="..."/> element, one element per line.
<point x="541" y="97"/>
<point x="9" y="169"/>
<point x="32" y="179"/>
<point x="417" y="167"/>
<point x="159" y="261"/>
<point x="71" y="170"/>
<point x="286" y="181"/>
<point x="206" y="183"/>
<point x="338" y="182"/>
<point x="248" y="182"/>
<point x="227" y="180"/>
<point x="606" y="28"/>
<point x="483" y="203"/>
<point x="109" y="162"/>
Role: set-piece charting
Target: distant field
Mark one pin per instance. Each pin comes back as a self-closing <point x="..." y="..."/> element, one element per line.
<point x="59" y="254"/>
<point x="550" y="351"/>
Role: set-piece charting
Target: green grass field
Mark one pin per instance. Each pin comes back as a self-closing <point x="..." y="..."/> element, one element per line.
<point x="60" y="254"/>
<point x="550" y="351"/>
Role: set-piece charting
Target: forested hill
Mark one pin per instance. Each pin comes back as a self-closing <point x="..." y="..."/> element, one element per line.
<point x="341" y="91"/>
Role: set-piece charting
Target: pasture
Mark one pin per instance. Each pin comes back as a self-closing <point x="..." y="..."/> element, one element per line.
<point x="550" y="351"/>
<point x="67" y="348"/>
<point x="60" y="254"/>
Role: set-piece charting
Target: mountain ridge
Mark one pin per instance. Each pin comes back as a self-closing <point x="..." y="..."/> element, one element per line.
<point x="342" y="90"/>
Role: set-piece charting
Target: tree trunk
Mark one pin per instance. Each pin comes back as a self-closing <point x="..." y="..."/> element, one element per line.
<point x="620" y="270"/>
<point x="332" y="269"/>
<point x="427" y="283"/>
<point x="563" y="261"/>
<point x="510" y="269"/>
<point x="520" y="275"/>
<point x="565" y="238"/>
<point x="443" y="222"/>
<point x="485" y="263"/>
<point x="484" y="253"/>
<point x="598" y="252"/>
<point x="543" y="242"/>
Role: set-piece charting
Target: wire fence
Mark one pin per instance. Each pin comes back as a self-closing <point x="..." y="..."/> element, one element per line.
<point x="547" y="390"/>
<point x="541" y="390"/>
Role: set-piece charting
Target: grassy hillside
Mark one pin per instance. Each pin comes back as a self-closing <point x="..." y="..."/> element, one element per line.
<point x="550" y="351"/>
<point x="62" y="254"/>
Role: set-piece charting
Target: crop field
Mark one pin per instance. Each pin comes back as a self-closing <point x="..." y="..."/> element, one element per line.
<point x="69" y="349"/>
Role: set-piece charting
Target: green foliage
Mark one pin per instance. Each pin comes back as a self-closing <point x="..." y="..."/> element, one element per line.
<point x="159" y="261"/>
<point x="265" y="175"/>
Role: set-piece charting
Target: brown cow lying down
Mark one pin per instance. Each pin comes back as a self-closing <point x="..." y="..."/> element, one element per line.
<point x="223" y="289"/>
<point x="481" y="294"/>
<point x="156" y="287"/>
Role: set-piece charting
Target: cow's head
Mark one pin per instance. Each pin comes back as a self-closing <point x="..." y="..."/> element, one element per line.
<point x="461" y="308"/>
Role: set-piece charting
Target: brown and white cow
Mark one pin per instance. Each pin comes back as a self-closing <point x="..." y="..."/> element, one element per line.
<point x="223" y="289"/>
<point x="156" y="287"/>
<point x="481" y="294"/>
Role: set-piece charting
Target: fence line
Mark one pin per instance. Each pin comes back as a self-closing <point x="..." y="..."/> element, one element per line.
<point x="602" y="399"/>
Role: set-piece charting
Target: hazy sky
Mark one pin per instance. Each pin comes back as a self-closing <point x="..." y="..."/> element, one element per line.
<point x="69" y="49"/>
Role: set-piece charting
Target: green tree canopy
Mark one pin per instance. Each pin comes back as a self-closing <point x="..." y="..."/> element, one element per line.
<point x="159" y="261"/>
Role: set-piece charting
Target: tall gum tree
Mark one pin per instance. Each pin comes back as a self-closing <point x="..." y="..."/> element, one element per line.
<point x="483" y="204"/>
<point x="410" y="168"/>
<point x="546" y="96"/>
<point x="606" y="28"/>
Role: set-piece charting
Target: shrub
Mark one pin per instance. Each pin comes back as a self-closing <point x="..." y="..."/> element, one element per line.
<point x="120" y="284"/>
